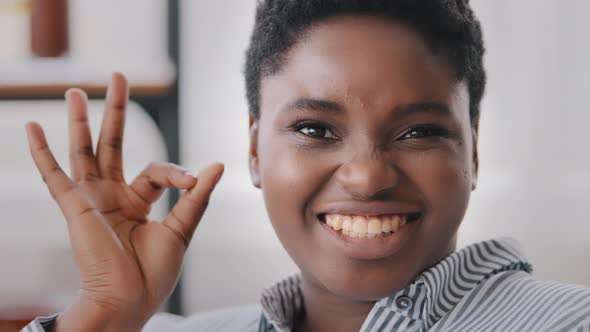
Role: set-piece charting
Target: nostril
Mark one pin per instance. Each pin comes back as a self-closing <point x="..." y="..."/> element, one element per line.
<point x="368" y="176"/>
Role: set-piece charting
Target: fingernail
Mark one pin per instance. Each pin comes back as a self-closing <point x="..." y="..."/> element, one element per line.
<point x="178" y="176"/>
<point x="108" y="93"/>
<point x="183" y="176"/>
<point x="67" y="94"/>
<point x="28" y="130"/>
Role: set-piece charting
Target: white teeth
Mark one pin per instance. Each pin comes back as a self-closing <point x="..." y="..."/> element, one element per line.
<point x="334" y="221"/>
<point x="359" y="225"/>
<point x="346" y="224"/>
<point x="337" y="224"/>
<point x="386" y="225"/>
<point x="365" y="227"/>
<point x="395" y="223"/>
<point x="374" y="227"/>
<point x="330" y="219"/>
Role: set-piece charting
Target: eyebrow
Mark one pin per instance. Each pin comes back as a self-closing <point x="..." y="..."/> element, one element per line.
<point x="426" y="107"/>
<point x="310" y="104"/>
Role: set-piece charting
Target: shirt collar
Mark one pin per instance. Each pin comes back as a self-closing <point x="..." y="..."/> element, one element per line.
<point x="282" y="305"/>
<point x="432" y="294"/>
<point x="449" y="281"/>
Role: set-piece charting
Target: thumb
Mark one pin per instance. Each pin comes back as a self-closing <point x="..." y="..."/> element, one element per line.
<point x="186" y="214"/>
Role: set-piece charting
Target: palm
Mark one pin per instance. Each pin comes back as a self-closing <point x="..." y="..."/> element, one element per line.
<point x="126" y="263"/>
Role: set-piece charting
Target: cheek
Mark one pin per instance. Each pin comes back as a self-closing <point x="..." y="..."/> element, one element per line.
<point x="290" y="177"/>
<point x="445" y="184"/>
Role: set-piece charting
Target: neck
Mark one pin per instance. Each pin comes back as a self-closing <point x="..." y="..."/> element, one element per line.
<point x="325" y="311"/>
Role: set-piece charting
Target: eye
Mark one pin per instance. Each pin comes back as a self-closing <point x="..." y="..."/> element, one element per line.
<point x="425" y="132"/>
<point x="315" y="130"/>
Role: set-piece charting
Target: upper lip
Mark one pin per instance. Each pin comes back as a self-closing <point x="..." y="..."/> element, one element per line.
<point x="368" y="208"/>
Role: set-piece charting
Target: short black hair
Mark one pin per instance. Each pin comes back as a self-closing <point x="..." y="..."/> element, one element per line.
<point x="448" y="26"/>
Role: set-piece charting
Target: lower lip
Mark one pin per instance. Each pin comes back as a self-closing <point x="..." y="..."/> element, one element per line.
<point x="370" y="249"/>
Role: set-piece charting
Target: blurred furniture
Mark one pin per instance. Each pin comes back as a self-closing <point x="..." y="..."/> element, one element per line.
<point x="49" y="27"/>
<point x="50" y="77"/>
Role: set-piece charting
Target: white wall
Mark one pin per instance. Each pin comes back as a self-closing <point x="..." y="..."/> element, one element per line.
<point x="534" y="163"/>
<point x="234" y="253"/>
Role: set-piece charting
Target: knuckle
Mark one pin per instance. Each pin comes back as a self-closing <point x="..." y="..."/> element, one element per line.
<point x="119" y="106"/>
<point x="54" y="168"/>
<point x="193" y="200"/>
<point x="44" y="147"/>
<point x="65" y="195"/>
<point x="179" y="234"/>
<point x="115" y="172"/>
<point x="150" y="182"/>
<point x="86" y="151"/>
<point x="155" y="186"/>
<point x="114" y="143"/>
<point x="89" y="177"/>
<point x="153" y="166"/>
<point x="41" y="149"/>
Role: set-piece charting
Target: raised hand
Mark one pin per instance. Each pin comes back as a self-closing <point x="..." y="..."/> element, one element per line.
<point x="128" y="265"/>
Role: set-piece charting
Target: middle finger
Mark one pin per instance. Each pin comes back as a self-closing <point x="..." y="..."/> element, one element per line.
<point x="110" y="142"/>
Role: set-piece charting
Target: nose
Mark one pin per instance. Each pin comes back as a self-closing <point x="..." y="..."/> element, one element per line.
<point x="367" y="176"/>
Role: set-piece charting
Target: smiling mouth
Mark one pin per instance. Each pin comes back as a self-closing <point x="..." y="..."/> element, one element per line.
<point x="368" y="227"/>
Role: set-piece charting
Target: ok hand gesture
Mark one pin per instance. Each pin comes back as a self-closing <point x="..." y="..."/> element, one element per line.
<point x="128" y="265"/>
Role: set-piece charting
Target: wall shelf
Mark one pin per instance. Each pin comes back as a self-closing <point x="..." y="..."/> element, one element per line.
<point x="52" y="77"/>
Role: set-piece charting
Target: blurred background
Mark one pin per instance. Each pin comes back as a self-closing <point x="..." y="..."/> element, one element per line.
<point x="184" y="61"/>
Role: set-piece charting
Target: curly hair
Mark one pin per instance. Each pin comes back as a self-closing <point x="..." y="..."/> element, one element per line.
<point x="449" y="27"/>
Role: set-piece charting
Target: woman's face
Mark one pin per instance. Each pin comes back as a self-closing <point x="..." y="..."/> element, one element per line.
<point x="365" y="154"/>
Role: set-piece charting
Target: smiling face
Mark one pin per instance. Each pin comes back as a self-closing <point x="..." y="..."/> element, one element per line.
<point x="364" y="125"/>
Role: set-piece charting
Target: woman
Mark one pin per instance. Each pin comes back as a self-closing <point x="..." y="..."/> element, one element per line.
<point x="363" y="139"/>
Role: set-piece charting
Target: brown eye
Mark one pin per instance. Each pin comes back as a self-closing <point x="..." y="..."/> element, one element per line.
<point x="315" y="130"/>
<point x="425" y="131"/>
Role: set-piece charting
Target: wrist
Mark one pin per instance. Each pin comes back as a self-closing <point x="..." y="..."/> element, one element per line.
<point x="85" y="315"/>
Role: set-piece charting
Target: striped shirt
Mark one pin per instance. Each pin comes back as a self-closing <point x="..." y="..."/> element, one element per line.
<point x="483" y="287"/>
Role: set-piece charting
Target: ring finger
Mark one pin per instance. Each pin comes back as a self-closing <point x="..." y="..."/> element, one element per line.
<point x="82" y="160"/>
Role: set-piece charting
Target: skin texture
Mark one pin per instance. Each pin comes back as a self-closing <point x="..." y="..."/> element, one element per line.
<point x="373" y="85"/>
<point x="128" y="265"/>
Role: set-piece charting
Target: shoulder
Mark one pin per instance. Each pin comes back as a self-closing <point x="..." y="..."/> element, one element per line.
<point x="520" y="283"/>
<point x="529" y="304"/>
<point x="243" y="318"/>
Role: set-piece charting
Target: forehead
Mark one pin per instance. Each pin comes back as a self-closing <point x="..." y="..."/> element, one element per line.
<point x="367" y="61"/>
